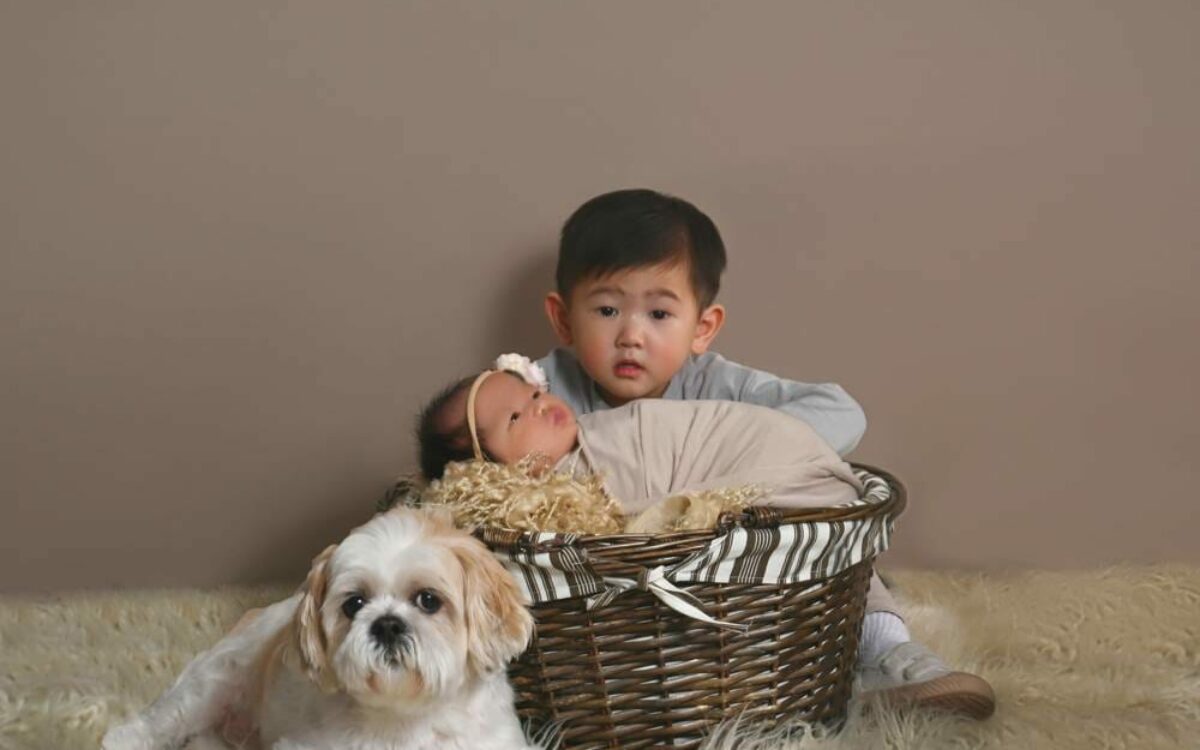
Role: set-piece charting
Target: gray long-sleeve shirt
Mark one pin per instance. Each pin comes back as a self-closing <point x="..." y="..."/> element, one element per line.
<point x="826" y="407"/>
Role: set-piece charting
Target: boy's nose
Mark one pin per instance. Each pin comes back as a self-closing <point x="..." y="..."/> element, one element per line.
<point x="630" y="335"/>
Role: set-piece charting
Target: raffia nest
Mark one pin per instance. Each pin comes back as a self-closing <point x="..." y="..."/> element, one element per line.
<point x="524" y="498"/>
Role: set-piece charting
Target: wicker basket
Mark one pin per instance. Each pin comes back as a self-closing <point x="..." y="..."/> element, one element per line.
<point x="635" y="673"/>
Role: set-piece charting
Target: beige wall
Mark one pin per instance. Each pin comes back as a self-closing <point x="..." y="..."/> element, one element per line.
<point x="241" y="243"/>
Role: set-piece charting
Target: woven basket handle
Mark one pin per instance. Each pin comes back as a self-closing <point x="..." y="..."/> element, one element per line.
<point x="510" y="540"/>
<point x="754" y="517"/>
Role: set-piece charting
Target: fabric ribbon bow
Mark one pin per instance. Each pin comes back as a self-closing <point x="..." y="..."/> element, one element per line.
<point x="655" y="581"/>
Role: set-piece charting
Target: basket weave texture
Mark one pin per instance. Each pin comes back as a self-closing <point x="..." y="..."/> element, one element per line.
<point x="635" y="673"/>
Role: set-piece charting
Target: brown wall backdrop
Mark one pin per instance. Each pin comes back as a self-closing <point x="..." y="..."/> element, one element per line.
<point x="242" y="242"/>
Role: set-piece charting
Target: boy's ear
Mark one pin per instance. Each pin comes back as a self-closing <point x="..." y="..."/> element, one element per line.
<point x="707" y="328"/>
<point x="557" y="313"/>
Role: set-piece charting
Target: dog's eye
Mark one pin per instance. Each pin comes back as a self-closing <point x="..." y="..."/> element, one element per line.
<point x="427" y="601"/>
<point x="353" y="603"/>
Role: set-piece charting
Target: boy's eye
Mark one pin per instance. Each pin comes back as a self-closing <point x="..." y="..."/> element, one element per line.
<point x="606" y="311"/>
<point x="660" y="314"/>
<point x="515" y="416"/>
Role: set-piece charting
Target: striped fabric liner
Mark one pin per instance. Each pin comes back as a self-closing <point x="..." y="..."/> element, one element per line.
<point x="550" y="568"/>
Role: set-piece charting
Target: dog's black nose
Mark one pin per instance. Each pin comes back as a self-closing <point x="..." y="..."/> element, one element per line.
<point x="388" y="630"/>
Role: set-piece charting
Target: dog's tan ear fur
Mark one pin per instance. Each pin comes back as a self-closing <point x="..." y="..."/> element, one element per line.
<point x="309" y="641"/>
<point x="498" y="624"/>
<point x="439" y="515"/>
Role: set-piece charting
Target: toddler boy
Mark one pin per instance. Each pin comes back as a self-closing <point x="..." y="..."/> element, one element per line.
<point x="637" y="277"/>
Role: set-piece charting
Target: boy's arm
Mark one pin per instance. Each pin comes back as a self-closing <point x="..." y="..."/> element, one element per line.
<point x="826" y="407"/>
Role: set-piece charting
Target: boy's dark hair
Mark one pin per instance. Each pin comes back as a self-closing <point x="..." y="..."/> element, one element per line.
<point x="441" y="438"/>
<point x="638" y="228"/>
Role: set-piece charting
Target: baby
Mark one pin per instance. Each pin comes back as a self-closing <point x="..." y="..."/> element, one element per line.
<point x="646" y="451"/>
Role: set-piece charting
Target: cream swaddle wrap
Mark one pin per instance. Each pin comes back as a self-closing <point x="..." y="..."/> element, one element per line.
<point x="654" y="449"/>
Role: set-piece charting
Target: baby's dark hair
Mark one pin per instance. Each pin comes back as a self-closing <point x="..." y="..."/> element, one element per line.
<point x="638" y="228"/>
<point x="443" y="437"/>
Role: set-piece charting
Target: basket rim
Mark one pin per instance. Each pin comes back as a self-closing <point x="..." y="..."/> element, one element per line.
<point x="759" y="545"/>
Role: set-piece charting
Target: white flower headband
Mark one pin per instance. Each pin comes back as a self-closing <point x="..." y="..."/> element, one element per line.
<point x="519" y="365"/>
<point x="530" y="371"/>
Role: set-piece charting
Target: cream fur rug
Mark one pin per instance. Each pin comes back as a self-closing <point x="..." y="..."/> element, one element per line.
<point x="1104" y="659"/>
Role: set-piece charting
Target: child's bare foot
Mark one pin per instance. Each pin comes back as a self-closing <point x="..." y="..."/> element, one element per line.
<point x="909" y="674"/>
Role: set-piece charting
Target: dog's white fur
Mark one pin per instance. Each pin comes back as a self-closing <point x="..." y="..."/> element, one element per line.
<point x="314" y="677"/>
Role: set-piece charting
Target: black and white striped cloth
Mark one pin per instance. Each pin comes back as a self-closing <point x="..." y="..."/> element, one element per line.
<point x="550" y="568"/>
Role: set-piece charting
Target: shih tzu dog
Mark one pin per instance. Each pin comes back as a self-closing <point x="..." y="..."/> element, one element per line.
<point x="398" y="640"/>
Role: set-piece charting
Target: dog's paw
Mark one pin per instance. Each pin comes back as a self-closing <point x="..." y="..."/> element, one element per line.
<point x="132" y="735"/>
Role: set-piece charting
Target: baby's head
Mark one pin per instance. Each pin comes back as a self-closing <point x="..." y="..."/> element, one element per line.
<point x="512" y="420"/>
<point x="637" y="275"/>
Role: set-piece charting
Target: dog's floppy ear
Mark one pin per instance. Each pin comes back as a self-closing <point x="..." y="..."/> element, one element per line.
<point x="309" y="640"/>
<point x="440" y="515"/>
<point x="498" y="624"/>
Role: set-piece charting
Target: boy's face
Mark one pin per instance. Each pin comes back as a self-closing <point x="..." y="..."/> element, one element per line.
<point x="514" y="419"/>
<point x="634" y="329"/>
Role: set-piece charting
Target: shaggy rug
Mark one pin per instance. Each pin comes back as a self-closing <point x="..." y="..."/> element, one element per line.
<point x="1102" y="659"/>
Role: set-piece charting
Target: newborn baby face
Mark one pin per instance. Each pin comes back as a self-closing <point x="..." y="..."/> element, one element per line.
<point x="515" y="419"/>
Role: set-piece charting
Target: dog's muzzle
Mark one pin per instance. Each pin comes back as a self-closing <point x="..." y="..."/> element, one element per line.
<point x="389" y="631"/>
